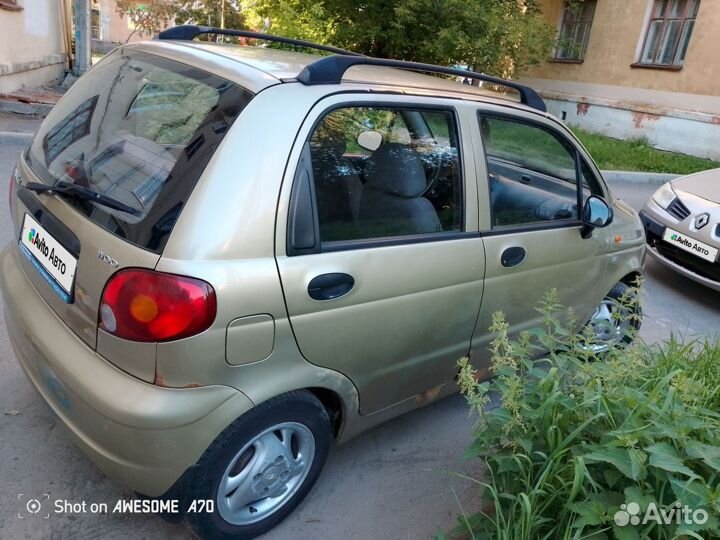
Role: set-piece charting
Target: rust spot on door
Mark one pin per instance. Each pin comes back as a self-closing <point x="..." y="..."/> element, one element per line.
<point x="482" y="374"/>
<point x="428" y="395"/>
<point x="161" y="381"/>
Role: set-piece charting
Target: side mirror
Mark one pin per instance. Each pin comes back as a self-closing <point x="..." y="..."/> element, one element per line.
<point x="596" y="214"/>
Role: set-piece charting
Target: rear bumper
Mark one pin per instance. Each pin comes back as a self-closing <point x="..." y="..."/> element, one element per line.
<point x="654" y="230"/>
<point x="142" y="435"/>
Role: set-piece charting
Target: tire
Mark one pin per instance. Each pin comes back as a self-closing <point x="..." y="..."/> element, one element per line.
<point x="254" y="453"/>
<point x="611" y="331"/>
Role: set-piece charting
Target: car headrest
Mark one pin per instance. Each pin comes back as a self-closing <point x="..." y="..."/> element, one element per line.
<point x="397" y="170"/>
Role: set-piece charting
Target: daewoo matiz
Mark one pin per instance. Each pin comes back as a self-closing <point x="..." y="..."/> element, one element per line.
<point x="229" y="257"/>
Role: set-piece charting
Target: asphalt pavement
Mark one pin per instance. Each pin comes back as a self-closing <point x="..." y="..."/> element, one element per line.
<point x="397" y="481"/>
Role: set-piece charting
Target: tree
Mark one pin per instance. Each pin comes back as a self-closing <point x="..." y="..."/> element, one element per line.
<point x="500" y="37"/>
<point x="150" y="16"/>
<point x="225" y="13"/>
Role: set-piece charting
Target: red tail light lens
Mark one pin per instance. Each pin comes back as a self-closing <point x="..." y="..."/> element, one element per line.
<point x="143" y="305"/>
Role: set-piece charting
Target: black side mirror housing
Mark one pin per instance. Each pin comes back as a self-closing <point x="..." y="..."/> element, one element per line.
<point x="596" y="213"/>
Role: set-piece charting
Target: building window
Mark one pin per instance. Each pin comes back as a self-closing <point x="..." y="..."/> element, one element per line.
<point x="668" y="32"/>
<point x="575" y="30"/>
<point x="95" y="23"/>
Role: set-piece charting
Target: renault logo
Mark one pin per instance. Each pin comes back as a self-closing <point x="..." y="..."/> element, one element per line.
<point x="702" y="220"/>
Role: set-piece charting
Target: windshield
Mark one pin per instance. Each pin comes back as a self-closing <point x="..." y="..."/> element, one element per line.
<point x="138" y="129"/>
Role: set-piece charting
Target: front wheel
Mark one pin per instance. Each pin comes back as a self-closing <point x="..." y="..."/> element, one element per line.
<point x="261" y="467"/>
<point x="616" y="320"/>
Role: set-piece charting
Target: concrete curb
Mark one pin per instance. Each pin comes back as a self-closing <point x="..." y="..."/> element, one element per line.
<point x="14" y="136"/>
<point x="17" y="107"/>
<point x="656" y="179"/>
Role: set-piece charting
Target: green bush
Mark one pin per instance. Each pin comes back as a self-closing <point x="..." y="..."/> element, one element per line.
<point x="575" y="436"/>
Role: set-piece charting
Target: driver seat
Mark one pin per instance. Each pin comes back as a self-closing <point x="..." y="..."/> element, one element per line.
<point x="391" y="203"/>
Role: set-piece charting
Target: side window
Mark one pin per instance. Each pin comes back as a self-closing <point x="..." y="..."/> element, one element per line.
<point x="385" y="172"/>
<point x="532" y="173"/>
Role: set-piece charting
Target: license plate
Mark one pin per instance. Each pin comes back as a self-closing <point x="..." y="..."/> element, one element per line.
<point x="683" y="241"/>
<point x="55" y="263"/>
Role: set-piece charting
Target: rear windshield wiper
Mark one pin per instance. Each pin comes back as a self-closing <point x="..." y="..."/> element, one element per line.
<point x="73" y="190"/>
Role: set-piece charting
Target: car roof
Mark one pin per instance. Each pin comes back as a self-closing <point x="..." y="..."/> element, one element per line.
<point x="272" y="66"/>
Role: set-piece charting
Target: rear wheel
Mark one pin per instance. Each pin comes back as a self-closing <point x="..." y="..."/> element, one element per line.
<point x="261" y="467"/>
<point x="616" y="320"/>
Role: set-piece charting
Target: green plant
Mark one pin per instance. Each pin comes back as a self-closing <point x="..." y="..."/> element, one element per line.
<point x="637" y="155"/>
<point x="576" y="436"/>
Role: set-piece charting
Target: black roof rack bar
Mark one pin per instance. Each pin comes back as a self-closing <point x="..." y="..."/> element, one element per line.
<point x="189" y="32"/>
<point x="330" y="70"/>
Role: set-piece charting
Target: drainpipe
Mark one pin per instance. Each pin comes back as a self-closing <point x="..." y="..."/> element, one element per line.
<point x="81" y="15"/>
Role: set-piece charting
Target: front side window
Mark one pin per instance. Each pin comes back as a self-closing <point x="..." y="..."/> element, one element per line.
<point x="532" y="173"/>
<point x="386" y="172"/>
<point x="575" y="30"/>
<point x="668" y="32"/>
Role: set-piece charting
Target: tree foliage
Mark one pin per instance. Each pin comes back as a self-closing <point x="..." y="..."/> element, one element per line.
<point x="148" y="17"/>
<point x="495" y="36"/>
<point x="209" y="13"/>
<point x="151" y="16"/>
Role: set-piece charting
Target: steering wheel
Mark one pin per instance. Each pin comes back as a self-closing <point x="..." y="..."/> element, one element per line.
<point x="438" y="167"/>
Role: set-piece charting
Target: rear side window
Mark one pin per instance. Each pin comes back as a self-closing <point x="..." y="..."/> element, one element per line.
<point x="386" y="172"/>
<point x="140" y="129"/>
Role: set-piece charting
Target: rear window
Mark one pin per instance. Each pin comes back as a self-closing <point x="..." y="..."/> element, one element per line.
<point x="140" y="129"/>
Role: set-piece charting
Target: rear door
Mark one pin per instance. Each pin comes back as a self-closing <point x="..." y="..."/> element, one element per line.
<point x="533" y="181"/>
<point x="382" y="265"/>
<point x="138" y="129"/>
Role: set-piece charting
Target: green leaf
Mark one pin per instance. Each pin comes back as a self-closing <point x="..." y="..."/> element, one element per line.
<point x="693" y="492"/>
<point x="638" y="458"/>
<point x="626" y="533"/>
<point x="710" y="455"/>
<point x="617" y="457"/>
<point x="636" y="494"/>
<point x="590" y="512"/>
<point x="663" y="456"/>
<point x="612" y="476"/>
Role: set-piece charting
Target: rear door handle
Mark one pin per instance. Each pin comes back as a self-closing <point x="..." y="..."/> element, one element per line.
<point x="330" y="286"/>
<point x="513" y="256"/>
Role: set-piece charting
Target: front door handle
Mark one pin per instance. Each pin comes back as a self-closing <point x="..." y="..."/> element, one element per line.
<point x="513" y="256"/>
<point x="330" y="286"/>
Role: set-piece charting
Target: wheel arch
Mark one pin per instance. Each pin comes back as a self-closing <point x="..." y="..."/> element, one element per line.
<point x="334" y="406"/>
<point x="633" y="279"/>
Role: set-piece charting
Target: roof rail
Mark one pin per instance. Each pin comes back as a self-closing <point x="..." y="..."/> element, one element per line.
<point x="189" y="32"/>
<point x="330" y="70"/>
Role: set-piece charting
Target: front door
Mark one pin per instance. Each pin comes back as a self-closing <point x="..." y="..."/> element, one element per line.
<point x="534" y="181"/>
<point x="383" y="270"/>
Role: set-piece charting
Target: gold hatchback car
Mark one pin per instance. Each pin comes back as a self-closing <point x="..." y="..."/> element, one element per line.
<point x="229" y="257"/>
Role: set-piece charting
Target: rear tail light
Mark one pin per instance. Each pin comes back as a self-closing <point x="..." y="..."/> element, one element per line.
<point x="144" y="305"/>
